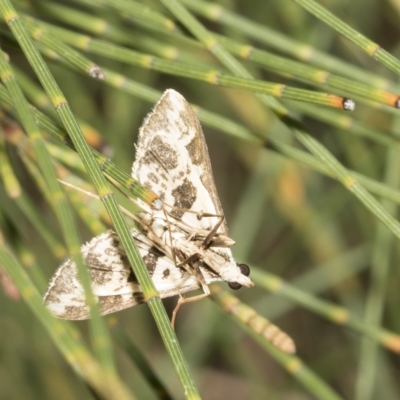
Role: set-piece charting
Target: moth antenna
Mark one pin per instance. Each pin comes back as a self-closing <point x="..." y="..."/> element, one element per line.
<point x="78" y="189"/>
<point x="95" y="196"/>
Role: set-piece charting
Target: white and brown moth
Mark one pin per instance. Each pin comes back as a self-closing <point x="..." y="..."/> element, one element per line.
<point x="184" y="243"/>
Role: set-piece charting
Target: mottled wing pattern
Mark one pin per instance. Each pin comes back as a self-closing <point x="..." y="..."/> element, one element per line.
<point x="113" y="281"/>
<point x="172" y="160"/>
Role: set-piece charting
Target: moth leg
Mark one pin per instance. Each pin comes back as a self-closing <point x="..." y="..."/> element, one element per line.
<point x="192" y="266"/>
<point x="201" y="214"/>
<point x="212" y="233"/>
<point x="190" y="260"/>
<point x="182" y="300"/>
<point x="194" y="269"/>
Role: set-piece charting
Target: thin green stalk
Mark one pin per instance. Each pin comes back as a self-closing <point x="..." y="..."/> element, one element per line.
<point x="84" y="208"/>
<point x="336" y="314"/>
<point x="317" y="280"/>
<point x="104" y="163"/>
<point x="102" y="28"/>
<point x="210" y="119"/>
<point x="137" y="357"/>
<point x="374" y="186"/>
<point x="32" y="92"/>
<point x="337" y="169"/>
<point x="60" y="204"/>
<point x="141" y="13"/>
<point x="278" y="64"/>
<point x="38" y="98"/>
<point x="275" y="145"/>
<point x="349" y="181"/>
<point x="380" y="266"/>
<point x="276" y="40"/>
<point x="66" y="338"/>
<point x="298" y="369"/>
<point x="320" y="78"/>
<point x="349" y="124"/>
<point x="150" y="293"/>
<point x="13" y="190"/>
<point x="369" y="47"/>
<point x="247" y="315"/>
<point x="26" y="256"/>
<point x="28" y="261"/>
<point x="40" y="34"/>
<point x="292" y="364"/>
<point x="180" y="69"/>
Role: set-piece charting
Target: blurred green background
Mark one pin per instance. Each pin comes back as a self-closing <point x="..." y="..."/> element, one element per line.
<point x="286" y="218"/>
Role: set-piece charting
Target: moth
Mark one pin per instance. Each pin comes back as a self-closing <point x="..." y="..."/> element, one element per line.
<point x="184" y="242"/>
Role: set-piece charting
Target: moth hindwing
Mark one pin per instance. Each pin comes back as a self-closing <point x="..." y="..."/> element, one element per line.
<point x="184" y="244"/>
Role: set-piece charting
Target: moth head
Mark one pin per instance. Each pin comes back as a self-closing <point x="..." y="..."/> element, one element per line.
<point x="245" y="270"/>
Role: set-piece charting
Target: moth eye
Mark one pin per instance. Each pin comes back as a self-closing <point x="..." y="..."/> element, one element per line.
<point x="234" y="285"/>
<point x="244" y="269"/>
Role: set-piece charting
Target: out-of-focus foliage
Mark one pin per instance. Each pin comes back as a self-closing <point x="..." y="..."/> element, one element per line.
<point x="286" y="217"/>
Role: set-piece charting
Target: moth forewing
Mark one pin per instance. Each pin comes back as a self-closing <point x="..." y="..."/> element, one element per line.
<point x="172" y="160"/>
